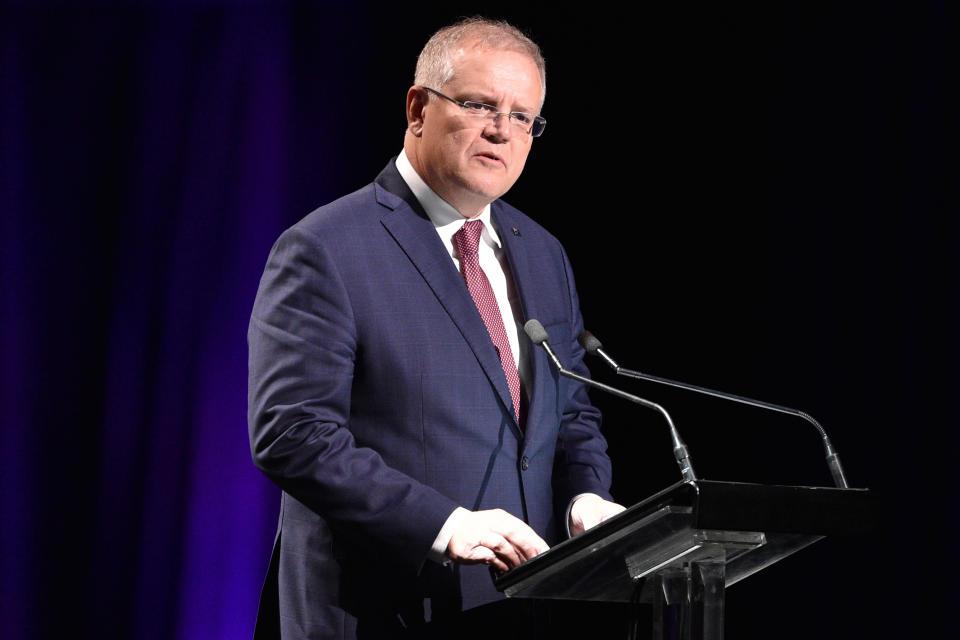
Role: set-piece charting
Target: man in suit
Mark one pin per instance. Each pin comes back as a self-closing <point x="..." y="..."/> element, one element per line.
<point x="415" y="434"/>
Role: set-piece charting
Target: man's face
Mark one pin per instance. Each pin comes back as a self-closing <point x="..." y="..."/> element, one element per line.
<point x="472" y="161"/>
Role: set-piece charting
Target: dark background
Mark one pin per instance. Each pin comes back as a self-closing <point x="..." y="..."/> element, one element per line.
<point x="754" y="198"/>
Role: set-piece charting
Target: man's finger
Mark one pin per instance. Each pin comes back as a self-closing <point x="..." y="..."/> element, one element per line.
<point x="504" y="549"/>
<point x="526" y="542"/>
<point x="518" y="533"/>
<point x="488" y="556"/>
<point x="494" y="537"/>
<point x="528" y="547"/>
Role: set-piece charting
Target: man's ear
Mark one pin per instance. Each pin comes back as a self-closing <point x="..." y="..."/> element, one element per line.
<point x="416" y="101"/>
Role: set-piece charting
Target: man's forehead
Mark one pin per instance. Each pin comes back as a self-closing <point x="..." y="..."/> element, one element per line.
<point x="489" y="77"/>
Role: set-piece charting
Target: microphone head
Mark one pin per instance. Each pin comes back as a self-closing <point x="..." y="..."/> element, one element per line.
<point x="589" y="342"/>
<point x="535" y="331"/>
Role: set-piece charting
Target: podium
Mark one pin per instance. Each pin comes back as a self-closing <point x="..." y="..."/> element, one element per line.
<point x="680" y="549"/>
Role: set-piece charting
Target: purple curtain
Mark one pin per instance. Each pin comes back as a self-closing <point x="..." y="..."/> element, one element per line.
<point x="145" y="174"/>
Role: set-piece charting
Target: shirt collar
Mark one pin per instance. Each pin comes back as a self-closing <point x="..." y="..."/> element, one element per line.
<point x="444" y="217"/>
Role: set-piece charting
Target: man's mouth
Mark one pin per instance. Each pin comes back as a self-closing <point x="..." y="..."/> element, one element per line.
<point x="492" y="157"/>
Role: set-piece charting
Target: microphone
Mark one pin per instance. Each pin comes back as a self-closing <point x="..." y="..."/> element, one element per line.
<point x="538" y="335"/>
<point x="593" y="346"/>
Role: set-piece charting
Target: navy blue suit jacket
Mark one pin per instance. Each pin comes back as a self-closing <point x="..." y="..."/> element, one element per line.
<point x="378" y="404"/>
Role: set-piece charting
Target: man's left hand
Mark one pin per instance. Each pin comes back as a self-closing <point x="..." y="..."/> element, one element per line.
<point x="590" y="510"/>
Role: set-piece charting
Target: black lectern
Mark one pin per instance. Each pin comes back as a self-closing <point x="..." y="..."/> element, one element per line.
<point x="679" y="549"/>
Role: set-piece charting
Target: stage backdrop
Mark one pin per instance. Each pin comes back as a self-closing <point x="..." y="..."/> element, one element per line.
<point x="753" y="198"/>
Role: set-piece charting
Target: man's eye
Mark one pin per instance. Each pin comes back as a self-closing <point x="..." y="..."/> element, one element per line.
<point x="479" y="107"/>
<point x="522" y="118"/>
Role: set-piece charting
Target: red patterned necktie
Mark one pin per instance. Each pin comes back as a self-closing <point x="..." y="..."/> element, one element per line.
<point x="467" y="241"/>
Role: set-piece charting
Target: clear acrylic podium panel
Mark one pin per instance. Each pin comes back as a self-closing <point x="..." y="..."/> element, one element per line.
<point x="740" y="528"/>
<point x="663" y="539"/>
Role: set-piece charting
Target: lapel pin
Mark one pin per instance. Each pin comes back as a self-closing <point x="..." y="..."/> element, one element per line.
<point x="516" y="231"/>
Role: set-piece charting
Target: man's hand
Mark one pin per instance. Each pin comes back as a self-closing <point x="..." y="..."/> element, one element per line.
<point x="590" y="510"/>
<point x="496" y="538"/>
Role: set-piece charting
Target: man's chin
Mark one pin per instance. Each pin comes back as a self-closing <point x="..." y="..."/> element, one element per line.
<point x="489" y="190"/>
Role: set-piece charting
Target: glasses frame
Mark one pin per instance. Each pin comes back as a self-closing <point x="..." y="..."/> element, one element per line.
<point x="537" y="123"/>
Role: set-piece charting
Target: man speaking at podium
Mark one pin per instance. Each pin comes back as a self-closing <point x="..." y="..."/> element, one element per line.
<point x="415" y="434"/>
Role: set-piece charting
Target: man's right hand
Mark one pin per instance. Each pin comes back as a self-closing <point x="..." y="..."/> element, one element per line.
<point x="496" y="538"/>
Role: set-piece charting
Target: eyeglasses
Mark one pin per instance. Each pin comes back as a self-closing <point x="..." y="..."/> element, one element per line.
<point x="521" y="122"/>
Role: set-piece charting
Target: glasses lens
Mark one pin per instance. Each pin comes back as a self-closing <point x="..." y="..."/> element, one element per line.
<point x="539" y="124"/>
<point x="527" y="123"/>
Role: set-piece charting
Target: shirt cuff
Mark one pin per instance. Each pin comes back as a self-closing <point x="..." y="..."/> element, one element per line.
<point x="438" y="551"/>
<point x="566" y="521"/>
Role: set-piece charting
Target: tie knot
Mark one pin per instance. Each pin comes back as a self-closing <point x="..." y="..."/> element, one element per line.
<point x="468" y="238"/>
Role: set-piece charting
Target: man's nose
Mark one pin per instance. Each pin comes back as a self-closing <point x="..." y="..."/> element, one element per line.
<point x="501" y="125"/>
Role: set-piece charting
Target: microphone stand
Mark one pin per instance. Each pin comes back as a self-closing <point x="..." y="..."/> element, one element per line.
<point x="538" y="335"/>
<point x="593" y="346"/>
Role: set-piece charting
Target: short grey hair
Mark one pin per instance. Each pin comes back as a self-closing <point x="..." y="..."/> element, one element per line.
<point x="435" y="66"/>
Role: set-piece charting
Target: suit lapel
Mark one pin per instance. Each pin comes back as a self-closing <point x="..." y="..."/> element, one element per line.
<point x="413" y="231"/>
<point x="524" y="278"/>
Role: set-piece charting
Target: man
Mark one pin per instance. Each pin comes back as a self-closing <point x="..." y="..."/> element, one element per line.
<point x="415" y="435"/>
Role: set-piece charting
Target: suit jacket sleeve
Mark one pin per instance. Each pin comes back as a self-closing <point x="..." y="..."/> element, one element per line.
<point x="303" y="342"/>
<point x="581" y="463"/>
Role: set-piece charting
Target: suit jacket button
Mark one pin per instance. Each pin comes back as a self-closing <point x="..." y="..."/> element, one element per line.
<point x="524" y="463"/>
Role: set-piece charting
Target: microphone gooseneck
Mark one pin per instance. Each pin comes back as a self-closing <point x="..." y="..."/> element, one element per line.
<point x="593" y="346"/>
<point x="538" y="335"/>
